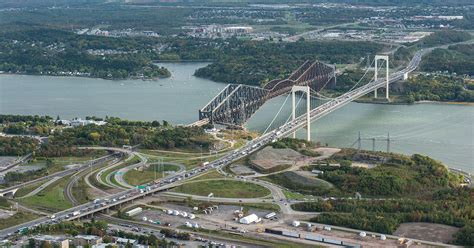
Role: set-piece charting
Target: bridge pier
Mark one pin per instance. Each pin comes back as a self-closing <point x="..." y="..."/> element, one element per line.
<point x="377" y="58"/>
<point x="304" y="89"/>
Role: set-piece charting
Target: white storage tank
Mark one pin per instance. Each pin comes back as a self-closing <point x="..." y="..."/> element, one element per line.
<point x="362" y="234"/>
<point x="191" y="216"/>
<point x="144" y="218"/>
<point x="383" y="237"/>
<point x="296" y="223"/>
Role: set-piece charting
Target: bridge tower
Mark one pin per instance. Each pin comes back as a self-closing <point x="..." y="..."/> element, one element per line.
<point x="377" y="58"/>
<point x="307" y="90"/>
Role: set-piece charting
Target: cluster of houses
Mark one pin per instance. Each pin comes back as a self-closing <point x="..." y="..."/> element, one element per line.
<point x="83" y="241"/>
<point x="77" y="122"/>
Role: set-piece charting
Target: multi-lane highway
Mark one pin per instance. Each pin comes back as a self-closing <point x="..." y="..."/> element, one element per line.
<point x="252" y="146"/>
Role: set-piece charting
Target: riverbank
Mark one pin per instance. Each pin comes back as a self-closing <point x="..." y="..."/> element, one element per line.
<point x="398" y="100"/>
<point x="71" y="74"/>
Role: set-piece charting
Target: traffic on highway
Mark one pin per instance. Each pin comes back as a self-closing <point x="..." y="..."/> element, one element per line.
<point x="99" y="205"/>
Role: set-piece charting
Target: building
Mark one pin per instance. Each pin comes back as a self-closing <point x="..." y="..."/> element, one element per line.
<point x="253" y="218"/>
<point x="83" y="240"/>
<point x="55" y="241"/>
<point x="238" y="30"/>
<point x="122" y="242"/>
<point x="134" y="211"/>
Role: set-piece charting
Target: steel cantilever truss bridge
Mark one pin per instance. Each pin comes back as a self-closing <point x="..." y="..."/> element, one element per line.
<point x="236" y="103"/>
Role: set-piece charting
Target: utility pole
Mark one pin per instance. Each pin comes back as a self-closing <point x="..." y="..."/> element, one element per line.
<point x="359" y="142"/>
<point x="373" y="144"/>
<point x="388" y="142"/>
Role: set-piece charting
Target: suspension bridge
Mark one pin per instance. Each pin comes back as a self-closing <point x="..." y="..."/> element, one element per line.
<point x="235" y="104"/>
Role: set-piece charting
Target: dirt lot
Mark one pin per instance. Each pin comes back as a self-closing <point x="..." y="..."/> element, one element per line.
<point x="427" y="231"/>
<point x="269" y="158"/>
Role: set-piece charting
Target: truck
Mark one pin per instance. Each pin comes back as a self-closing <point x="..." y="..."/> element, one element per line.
<point x="205" y="163"/>
<point x="76" y="213"/>
<point x="96" y="201"/>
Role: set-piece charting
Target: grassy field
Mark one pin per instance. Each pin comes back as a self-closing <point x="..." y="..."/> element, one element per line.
<point x="26" y="190"/>
<point x="224" y="188"/>
<point x="209" y="175"/>
<point x="300" y="184"/>
<point x="104" y="175"/>
<point x="79" y="191"/>
<point x="51" y="198"/>
<point x="135" y="177"/>
<point x="18" y="218"/>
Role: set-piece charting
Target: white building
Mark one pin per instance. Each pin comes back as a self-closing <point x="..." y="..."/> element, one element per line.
<point x="253" y="218"/>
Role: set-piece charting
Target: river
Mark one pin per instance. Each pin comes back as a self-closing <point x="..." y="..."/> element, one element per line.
<point x="442" y="131"/>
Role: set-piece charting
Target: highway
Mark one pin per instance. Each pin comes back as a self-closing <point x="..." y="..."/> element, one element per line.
<point x="252" y="146"/>
<point x="57" y="174"/>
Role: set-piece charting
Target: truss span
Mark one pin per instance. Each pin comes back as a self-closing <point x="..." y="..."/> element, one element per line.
<point x="236" y="103"/>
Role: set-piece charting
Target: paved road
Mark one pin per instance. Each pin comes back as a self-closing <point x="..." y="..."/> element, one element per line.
<point x="118" y="175"/>
<point x="57" y="174"/>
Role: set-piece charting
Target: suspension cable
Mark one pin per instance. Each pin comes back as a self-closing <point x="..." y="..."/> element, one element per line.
<point x="274" y="118"/>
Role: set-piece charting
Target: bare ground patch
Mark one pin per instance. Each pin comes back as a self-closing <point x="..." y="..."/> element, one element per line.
<point x="270" y="158"/>
<point x="427" y="231"/>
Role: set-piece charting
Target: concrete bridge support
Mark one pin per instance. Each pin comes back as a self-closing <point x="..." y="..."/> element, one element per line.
<point x="377" y="58"/>
<point x="304" y="89"/>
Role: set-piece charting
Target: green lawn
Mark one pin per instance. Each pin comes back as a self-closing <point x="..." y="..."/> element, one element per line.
<point x="135" y="177"/>
<point x="51" y="198"/>
<point x="133" y="160"/>
<point x="213" y="174"/>
<point x="16" y="219"/>
<point x="224" y="188"/>
<point x="26" y="190"/>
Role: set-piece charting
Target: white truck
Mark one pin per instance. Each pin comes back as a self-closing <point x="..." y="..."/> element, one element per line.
<point x="76" y="213"/>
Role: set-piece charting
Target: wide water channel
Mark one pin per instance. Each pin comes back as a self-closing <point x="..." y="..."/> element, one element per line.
<point x="442" y="131"/>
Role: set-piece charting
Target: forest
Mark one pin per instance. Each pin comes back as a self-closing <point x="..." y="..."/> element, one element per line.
<point x="456" y="59"/>
<point x="395" y="175"/>
<point x="17" y="146"/>
<point x="45" y="51"/>
<point x="256" y="63"/>
<point x="437" y="88"/>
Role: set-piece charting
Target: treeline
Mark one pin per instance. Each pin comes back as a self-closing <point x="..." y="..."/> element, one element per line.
<point x="437" y="88"/>
<point x="179" y="137"/>
<point x="449" y="206"/>
<point x="24" y="118"/>
<point x="443" y="38"/>
<point x="257" y="62"/>
<point x="17" y="146"/>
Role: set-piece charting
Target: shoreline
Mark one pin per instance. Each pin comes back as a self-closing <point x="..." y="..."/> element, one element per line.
<point x="416" y="102"/>
<point x="79" y="76"/>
